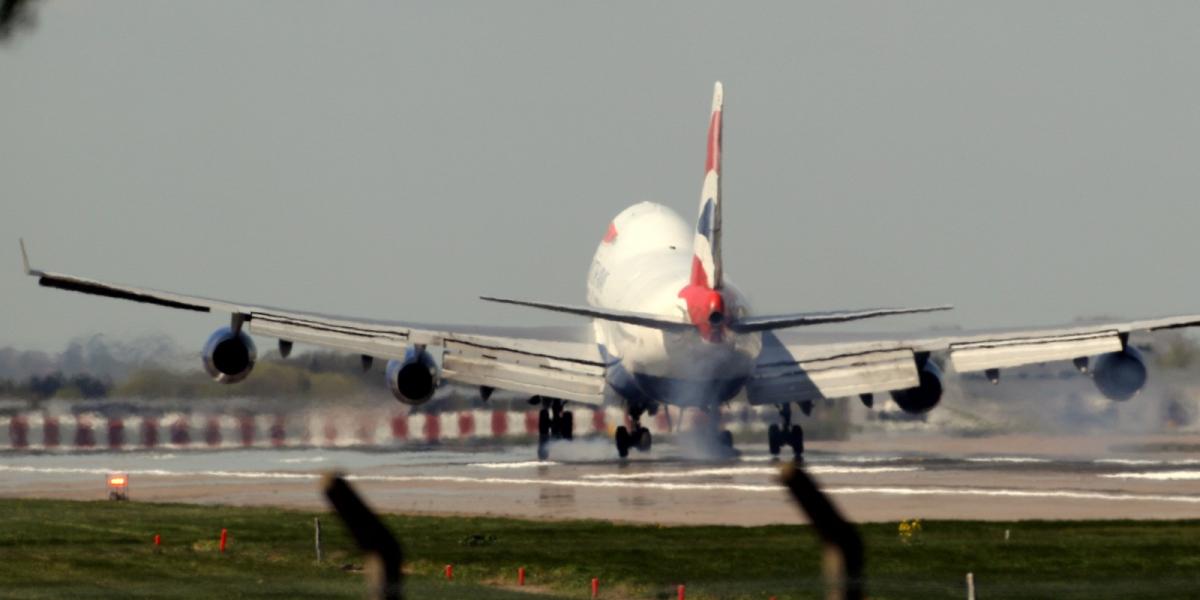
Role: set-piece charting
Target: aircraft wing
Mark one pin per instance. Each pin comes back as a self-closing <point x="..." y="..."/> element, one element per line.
<point x="557" y="362"/>
<point x="800" y="365"/>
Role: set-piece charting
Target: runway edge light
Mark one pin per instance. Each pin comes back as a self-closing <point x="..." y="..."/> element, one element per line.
<point x="118" y="486"/>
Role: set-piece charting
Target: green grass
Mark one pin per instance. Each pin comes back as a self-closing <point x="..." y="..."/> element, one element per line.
<point x="55" y="549"/>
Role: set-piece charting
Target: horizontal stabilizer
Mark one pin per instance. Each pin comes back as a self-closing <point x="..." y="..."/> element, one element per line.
<point x="606" y="314"/>
<point x="750" y="324"/>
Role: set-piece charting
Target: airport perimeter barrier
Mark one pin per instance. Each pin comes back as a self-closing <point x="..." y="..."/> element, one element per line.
<point x="40" y="431"/>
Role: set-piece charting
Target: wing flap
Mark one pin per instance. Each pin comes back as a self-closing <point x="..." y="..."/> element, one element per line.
<point x="382" y="343"/>
<point x="1005" y="353"/>
<point x="565" y="370"/>
<point x="849" y="373"/>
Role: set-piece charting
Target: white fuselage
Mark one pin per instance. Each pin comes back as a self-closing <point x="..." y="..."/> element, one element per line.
<point x="642" y="265"/>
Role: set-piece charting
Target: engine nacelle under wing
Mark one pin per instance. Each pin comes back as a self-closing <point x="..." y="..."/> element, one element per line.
<point x="414" y="379"/>
<point x="229" y="357"/>
<point x="1120" y="375"/>
<point x="927" y="393"/>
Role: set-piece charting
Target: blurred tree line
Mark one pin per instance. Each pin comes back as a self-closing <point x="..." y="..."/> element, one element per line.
<point x="154" y="367"/>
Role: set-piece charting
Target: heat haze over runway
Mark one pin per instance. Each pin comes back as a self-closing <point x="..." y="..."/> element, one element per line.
<point x="872" y="480"/>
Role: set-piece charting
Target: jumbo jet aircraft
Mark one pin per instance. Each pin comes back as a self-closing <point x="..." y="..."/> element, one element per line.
<point x="666" y="328"/>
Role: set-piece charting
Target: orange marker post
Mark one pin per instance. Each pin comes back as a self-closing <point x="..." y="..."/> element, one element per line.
<point x="682" y="594"/>
<point x="449" y="571"/>
<point x="224" y="539"/>
<point x="157" y="540"/>
<point x="595" y="587"/>
<point x="521" y="576"/>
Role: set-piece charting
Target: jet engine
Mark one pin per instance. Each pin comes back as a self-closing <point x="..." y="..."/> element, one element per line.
<point x="229" y="357"/>
<point x="927" y="394"/>
<point x="414" y="379"/>
<point x="1120" y="375"/>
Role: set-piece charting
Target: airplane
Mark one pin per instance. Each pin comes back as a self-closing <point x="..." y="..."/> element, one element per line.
<point x="667" y="328"/>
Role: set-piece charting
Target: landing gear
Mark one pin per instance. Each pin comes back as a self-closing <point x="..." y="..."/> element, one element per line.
<point x="727" y="439"/>
<point x="796" y="441"/>
<point x="639" y="438"/>
<point x="786" y="433"/>
<point x="774" y="440"/>
<point x="567" y="427"/>
<point x="545" y="426"/>
<point x="554" y="423"/>
<point x="623" y="442"/>
<point x="644" y="440"/>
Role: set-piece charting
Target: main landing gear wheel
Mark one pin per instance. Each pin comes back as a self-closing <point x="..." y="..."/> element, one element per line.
<point x="727" y="439"/>
<point x="774" y="440"/>
<point x="796" y="441"/>
<point x="568" y="425"/>
<point x="785" y="433"/>
<point x="623" y="442"/>
<point x="545" y="425"/>
<point x="554" y="423"/>
<point x="644" y="440"/>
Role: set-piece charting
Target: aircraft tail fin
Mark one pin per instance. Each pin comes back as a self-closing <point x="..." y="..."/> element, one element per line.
<point x="706" y="261"/>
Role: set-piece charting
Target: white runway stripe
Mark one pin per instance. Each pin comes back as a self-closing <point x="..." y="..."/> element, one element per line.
<point x="1007" y="459"/>
<point x="1146" y="461"/>
<point x="1158" y="476"/>
<point x="513" y="465"/>
<point x="1065" y="494"/>
<point x="156" y="472"/>
<point x="648" y="485"/>
<point x="313" y="459"/>
<point x="817" y="469"/>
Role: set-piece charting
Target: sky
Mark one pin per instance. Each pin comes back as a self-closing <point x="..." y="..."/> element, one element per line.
<point x="1028" y="162"/>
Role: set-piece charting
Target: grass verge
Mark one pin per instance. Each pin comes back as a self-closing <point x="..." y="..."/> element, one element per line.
<point x="55" y="549"/>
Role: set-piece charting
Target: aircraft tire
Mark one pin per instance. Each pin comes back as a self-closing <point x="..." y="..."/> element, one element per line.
<point x="545" y="424"/>
<point x="644" y="440"/>
<point x="796" y="441"/>
<point x="567" y="427"/>
<point x="774" y="439"/>
<point x="623" y="442"/>
<point x="727" y="439"/>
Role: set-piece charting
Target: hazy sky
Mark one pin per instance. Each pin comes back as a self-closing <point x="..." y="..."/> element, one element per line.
<point x="1029" y="162"/>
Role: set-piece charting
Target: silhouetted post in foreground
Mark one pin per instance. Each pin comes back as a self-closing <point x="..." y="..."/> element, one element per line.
<point x="843" y="558"/>
<point x="384" y="556"/>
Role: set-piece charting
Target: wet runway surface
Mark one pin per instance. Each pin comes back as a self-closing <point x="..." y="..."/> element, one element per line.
<point x="1004" y="478"/>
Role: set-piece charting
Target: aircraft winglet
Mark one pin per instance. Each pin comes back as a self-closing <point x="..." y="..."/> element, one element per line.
<point x="25" y="258"/>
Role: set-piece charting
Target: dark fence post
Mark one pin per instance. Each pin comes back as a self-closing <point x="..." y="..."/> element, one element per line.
<point x="384" y="574"/>
<point x="843" y="557"/>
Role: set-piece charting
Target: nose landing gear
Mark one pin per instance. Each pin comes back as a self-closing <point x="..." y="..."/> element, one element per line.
<point x="786" y="433"/>
<point x="554" y="423"/>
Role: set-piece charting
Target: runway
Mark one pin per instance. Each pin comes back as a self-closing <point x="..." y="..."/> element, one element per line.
<point x="871" y="479"/>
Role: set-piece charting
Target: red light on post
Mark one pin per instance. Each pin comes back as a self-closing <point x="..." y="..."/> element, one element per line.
<point x="118" y="486"/>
